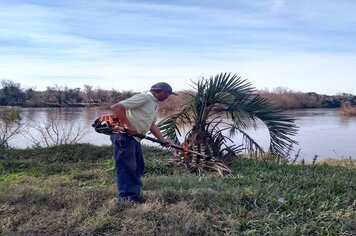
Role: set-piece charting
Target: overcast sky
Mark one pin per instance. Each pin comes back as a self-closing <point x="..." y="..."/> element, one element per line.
<point x="303" y="45"/>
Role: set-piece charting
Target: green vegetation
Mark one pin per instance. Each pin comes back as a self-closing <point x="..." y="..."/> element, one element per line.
<point x="71" y="189"/>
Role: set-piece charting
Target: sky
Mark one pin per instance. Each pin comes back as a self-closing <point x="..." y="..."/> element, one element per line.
<point x="301" y="45"/>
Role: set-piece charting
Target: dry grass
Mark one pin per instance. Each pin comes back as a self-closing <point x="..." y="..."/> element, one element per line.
<point x="345" y="162"/>
<point x="347" y="110"/>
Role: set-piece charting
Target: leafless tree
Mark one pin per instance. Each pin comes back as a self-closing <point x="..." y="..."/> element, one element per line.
<point x="54" y="132"/>
<point x="102" y="95"/>
<point x="88" y="93"/>
<point x="10" y="126"/>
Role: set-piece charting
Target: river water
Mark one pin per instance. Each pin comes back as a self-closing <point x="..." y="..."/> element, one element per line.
<point x="321" y="131"/>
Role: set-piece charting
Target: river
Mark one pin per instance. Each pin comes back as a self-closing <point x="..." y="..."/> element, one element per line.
<point x="321" y="131"/>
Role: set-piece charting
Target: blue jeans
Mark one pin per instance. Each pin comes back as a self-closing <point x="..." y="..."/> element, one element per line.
<point x="129" y="165"/>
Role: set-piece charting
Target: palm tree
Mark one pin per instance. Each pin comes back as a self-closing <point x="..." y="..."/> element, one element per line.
<point x="221" y="107"/>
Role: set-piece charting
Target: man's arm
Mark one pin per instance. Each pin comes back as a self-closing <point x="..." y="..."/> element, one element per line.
<point x="157" y="133"/>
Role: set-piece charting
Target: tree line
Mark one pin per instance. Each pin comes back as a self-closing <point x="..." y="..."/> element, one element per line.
<point x="288" y="99"/>
<point x="11" y="94"/>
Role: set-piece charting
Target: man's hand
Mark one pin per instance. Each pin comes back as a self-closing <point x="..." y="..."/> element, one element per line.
<point x="165" y="142"/>
<point x="156" y="132"/>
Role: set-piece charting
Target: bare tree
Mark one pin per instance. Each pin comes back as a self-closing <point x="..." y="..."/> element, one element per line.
<point x="49" y="95"/>
<point x="10" y="126"/>
<point x="54" y="132"/>
<point x="11" y="93"/>
<point x="88" y="93"/>
<point x="58" y="93"/>
<point x="102" y="95"/>
<point x="71" y="95"/>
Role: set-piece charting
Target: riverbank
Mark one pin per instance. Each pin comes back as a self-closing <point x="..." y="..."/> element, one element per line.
<point x="71" y="189"/>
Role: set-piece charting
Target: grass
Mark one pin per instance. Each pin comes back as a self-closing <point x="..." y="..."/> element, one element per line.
<point x="71" y="189"/>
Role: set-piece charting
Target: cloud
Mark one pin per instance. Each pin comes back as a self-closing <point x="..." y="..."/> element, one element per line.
<point x="287" y="43"/>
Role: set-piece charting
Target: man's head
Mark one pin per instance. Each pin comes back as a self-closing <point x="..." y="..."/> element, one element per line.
<point x="162" y="91"/>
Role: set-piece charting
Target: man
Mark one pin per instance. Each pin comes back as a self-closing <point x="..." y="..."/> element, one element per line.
<point x="138" y="114"/>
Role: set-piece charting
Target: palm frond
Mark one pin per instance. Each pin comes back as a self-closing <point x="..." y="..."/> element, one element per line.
<point x="280" y="127"/>
<point x="171" y="125"/>
<point x="225" y="102"/>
